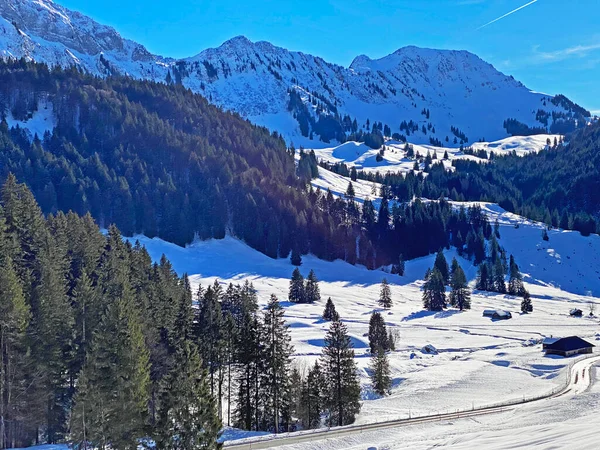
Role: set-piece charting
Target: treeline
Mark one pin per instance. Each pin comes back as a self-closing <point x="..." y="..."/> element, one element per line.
<point x="98" y="344"/>
<point x="156" y="159"/>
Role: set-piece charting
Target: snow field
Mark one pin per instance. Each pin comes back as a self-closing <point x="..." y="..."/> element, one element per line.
<point x="479" y="361"/>
<point x="394" y="159"/>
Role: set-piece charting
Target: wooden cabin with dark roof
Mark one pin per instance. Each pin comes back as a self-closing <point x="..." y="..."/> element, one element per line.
<point x="568" y="346"/>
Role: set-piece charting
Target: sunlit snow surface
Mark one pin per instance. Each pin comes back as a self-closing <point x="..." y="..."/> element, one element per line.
<point x="394" y="158"/>
<point x="479" y="361"/>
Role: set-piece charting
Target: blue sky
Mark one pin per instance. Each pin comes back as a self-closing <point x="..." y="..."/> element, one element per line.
<point x="552" y="46"/>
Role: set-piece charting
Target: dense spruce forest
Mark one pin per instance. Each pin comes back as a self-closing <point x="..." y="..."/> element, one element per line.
<point x="100" y="347"/>
<point x="159" y="160"/>
<point x="96" y="342"/>
<point x="156" y="159"/>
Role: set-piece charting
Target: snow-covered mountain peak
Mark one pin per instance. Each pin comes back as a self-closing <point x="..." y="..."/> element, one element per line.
<point x="424" y="95"/>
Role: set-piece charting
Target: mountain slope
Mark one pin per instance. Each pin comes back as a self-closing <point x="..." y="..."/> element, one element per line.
<point x="423" y="95"/>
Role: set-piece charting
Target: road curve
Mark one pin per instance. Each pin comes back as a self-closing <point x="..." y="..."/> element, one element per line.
<point x="579" y="380"/>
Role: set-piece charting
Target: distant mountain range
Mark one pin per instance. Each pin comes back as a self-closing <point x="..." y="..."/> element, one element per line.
<point x="425" y="96"/>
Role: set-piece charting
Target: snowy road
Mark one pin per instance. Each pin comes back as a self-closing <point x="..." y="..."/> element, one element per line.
<point x="580" y="380"/>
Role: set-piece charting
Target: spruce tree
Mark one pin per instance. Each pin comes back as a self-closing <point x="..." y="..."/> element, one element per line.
<point x="14" y="319"/>
<point x="515" y="281"/>
<point x="53" y="341"/>
<point x="296" y="258"/>
<point x="313" y="397"/>
<point x="434" y="292"/>
<point x="88" y="312"/>
<point x="250" y="359"/>
<point x="460" y="295"/>
<point x="330" y="314"/>
<point x="442" y="266"/>
<point x="295" y="399"/>
<point x="380" y="373"/>
<point x="483" y="278"/>
<point x="111" y="404"/>
<point x="385" y="295"/>
<point x="498" y="277"/>
<point x="340" y="370"/>
<point x="276" y="373"/>
<point x="188" y="417"/>
<point x="209" y="336"/>
<point x="399" y="268"/>
<point x="350" y="194"/>
<point x="296" y="293"/>
<point x="311" y="289"/>
<point x="378" y="335"/>
<point x="526" y="304"/>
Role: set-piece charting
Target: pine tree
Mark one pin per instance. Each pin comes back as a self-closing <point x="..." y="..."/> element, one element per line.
<point x="460" y="295"/>
<point x="380" y="376"/>
<point x="526" y="304"/>
<point x="434" y="292"/>
<point x="378" y="335"/>
<point x="296" y="293"/>
<point x="311" y="289"/>
<point x="385" y="295"/>
<point x="276" y="374"/>
<point x="340" y="370"/>
<point x="515" y="281"/>
<point x="545" y="235"/>
<point x="442" y="266"/>
<point x="330" y="314"/>
<point x="188" y="414"/>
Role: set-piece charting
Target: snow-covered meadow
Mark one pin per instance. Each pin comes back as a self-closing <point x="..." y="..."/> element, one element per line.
<point x="361" y="156"/>
<point x="478" y="361"/>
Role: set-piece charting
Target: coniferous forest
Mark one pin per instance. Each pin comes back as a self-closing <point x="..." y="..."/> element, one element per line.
<point x="156" y="159"/>
<point x="101" y="347"/>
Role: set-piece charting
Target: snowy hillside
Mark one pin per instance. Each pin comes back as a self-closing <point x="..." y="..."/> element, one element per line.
<point x="395" y="159"/>
<point x="422" y="94"/>
<point x="474" y="352"/>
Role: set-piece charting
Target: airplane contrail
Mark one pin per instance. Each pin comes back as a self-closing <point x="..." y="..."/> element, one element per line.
<point x="508" y="14"/>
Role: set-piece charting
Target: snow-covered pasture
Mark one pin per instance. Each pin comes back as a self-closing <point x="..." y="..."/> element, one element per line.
<point x="394" y="158"/>
<point x="479" y="361"/>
